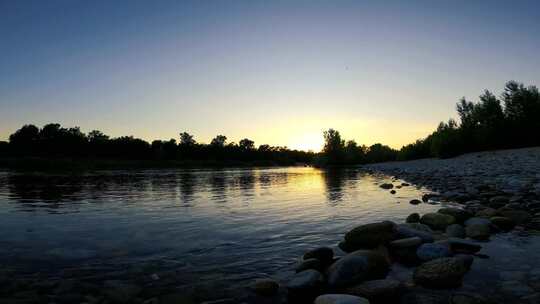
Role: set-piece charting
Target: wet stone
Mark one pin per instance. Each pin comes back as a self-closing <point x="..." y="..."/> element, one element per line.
<point x="309" y="264"/>
<point x="340" y="299"/>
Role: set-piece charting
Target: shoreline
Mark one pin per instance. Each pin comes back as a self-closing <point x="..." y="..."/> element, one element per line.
<point x="26" y="164"/>
<point x="427" y="258"/>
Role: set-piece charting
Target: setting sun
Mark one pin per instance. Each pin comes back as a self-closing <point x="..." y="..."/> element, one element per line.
<point x="307" y="142"/>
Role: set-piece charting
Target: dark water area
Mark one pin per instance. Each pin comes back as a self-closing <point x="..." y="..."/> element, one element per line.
<point x="205" y="227"/>
<point x="212" y="224"/>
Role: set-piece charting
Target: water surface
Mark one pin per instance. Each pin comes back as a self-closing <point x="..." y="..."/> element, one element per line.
<point x="211" y="225"/>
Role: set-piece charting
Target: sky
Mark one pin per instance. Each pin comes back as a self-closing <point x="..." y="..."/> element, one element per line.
<point x="277" y="72"/>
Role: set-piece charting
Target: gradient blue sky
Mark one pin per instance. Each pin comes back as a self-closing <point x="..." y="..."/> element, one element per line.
<point x="278" y="72"/>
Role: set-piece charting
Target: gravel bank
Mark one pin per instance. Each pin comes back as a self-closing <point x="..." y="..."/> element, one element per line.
<point x="511" y="173"/>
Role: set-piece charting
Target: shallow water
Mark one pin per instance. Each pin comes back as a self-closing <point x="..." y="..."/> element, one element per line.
<point x="211" y="224"/>
<point x="222" y="227"/>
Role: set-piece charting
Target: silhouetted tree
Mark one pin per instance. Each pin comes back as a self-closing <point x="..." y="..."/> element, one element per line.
<point x="25" y="140"/>
<point x="219" y="141"/>
<point x="334" y="147"/>
<point x="246" y="144"/>
<point x="187" y="139"/>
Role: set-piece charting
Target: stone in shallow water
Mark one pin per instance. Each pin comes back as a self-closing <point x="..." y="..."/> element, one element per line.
<point x="370" y="235"/>
<point x="517" y="216"/>
<point x="406" y="243"/>
<point x="356" y="267"/>
<point x="467" y="259"/>
<point x="440" y="273"/>
<point x="455" y="230"/>
<point x="503" y="223"/>
<point x="477" y="221"/>
<point x="512" y="275"/>
<point x="413" y="218"/>
<point x="486" y="212"/>
<point x="407" y="231"/>
<point x="459" y="214"/>
<point x="415" y="202"/>
<point x="437" y="221"/>
<point x="516" y="288"/>
<point x="498" y="201"/>
<point x="306" y="280"/>
<point x="376" y="290"/>
<point x="309" y="264"/>
<point x="386" y="186"/>
<point x="120" y="292"/>
<point x="463" y="246"/>
<point x="467" y="298"/>
<point x="478" y="231"/>
<point x="324" y="254"/>
<point x="340" y="299"/>
<point x="431" y="251"/>
<point x="424" y="297"/>
<point x="265" y="287"/>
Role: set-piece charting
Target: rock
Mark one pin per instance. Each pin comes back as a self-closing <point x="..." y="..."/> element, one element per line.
<point x="440" y="273"/>
<point x="498" y="201"/>
<point x="517" y="216"/>
<point x="513" y="275"/>
<point x="467" y="259"/>
<point x="478" y="231"/>
<point x="413" y="218"/>
<point x="455" y="230"/>
<point x="477" y="220"/>
<point x="340" y="299"/>
<point x="420" y="227"/>
<point x="381" y="291"/>
<point x="467" y="298"/>
<point x="307" y="280"/>
<point x="406" y="231"/>
<point x="387" y="186"/>
<point x="356" y="267"/>
<point x="406" y="243"/>
<point x="175" y="298"/>
<point x="324" y="254"/>
<point x="309" y="264"/>
<point x="265" y="287"/>
<point x="459" y="214"/>
<point x="120" y="292"/>
<point x="220" y="301"/>
<point x="531" y="299"/>
<point x="424" y="297"/>
<point x="503" y="223"/>
<point x="516" y="288"/>
<point x="431" y="251"/>
<point x="370" y="235"/>
<point x="415" y="202"/>
<point x="404" y="250"/>
<point x="486" y="212"/>
<point x="426" y="197"/>
<point x="463" y="246"/>
<point x="345" y="247"/>
<point x="437" y="221"/>
<point x="149" y="301"/>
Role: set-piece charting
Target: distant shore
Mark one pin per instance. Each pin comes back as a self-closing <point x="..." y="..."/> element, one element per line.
<point x="82" y="164"/>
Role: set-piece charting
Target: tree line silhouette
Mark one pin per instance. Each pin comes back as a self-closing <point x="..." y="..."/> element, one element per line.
<point x="509" y="121"/>
<point x="55" y="141"/>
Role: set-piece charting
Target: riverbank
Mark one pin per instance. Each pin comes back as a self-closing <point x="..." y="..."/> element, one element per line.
<point x="515" y="171"/>
<point x="481" y="249"/>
